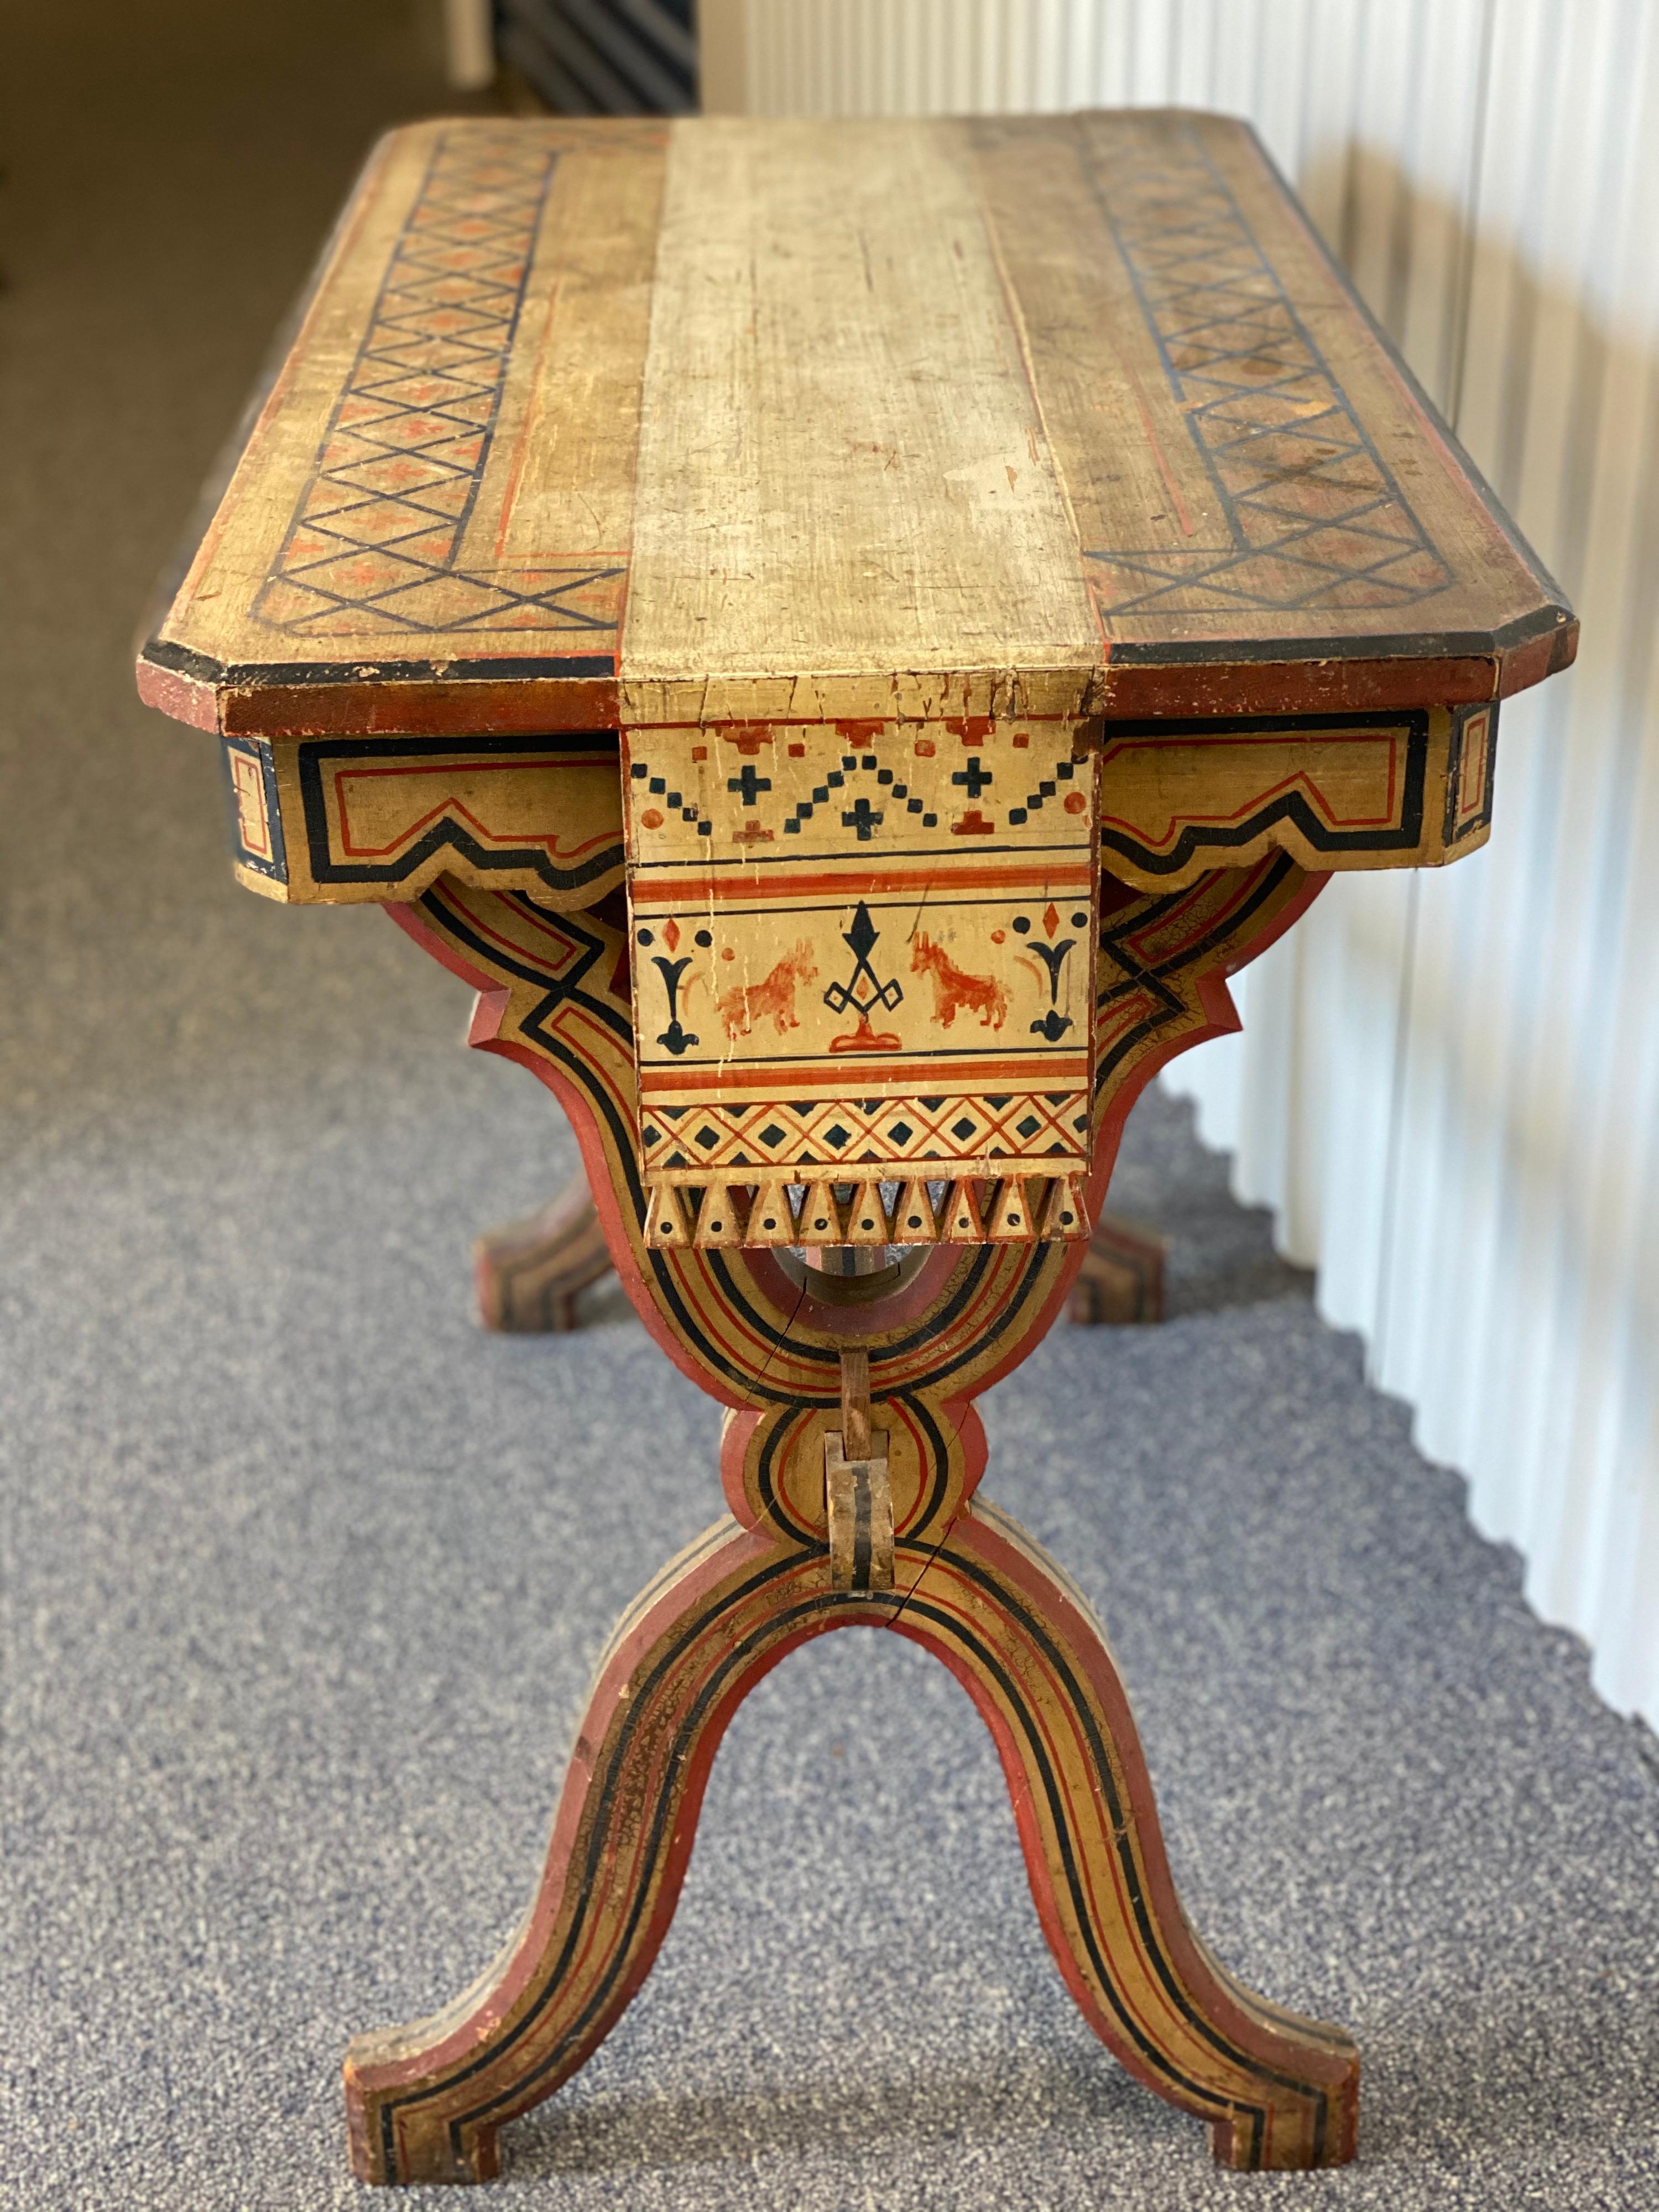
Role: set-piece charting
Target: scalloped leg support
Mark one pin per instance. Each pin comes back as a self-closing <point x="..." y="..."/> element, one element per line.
<point x="425" y="2102"/>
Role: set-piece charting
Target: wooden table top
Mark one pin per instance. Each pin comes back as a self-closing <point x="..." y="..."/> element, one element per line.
<point x="592" y="423"/>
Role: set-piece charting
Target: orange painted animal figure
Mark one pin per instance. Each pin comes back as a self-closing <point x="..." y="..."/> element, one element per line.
<point x="775" y="994"/>
<point x="955" y="989"/>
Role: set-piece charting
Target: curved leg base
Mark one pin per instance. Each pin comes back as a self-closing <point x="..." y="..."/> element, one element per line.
<point x="1121" y="1277"/>
<point x="1278" y="2090"/>
<point x="529" y="1273"/>
<point x="425" y="2102"/>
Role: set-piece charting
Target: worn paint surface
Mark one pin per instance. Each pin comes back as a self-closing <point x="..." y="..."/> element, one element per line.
<point x="734" y="419"/>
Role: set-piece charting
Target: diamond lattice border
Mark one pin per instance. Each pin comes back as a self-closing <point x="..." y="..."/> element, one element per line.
<point x="375" y="540"/>
<point x="1315" y="518"/>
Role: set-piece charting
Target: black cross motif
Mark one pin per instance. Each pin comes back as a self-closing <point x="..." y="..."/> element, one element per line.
<point x="973" y="777"/>
<point x="861" y="819"/>
<point x="750" y="784"/>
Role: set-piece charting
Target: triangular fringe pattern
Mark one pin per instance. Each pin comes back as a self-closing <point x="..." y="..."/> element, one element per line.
<point x="1015" y="1210"/>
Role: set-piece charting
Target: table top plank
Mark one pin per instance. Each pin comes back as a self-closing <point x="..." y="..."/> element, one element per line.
<point x="729" y="418"/>
<point x="843" y="472"/>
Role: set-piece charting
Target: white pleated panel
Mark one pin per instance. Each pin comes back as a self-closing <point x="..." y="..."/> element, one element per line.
<point x="1540" y="1389"/>
<point x="1448" y="1083"/>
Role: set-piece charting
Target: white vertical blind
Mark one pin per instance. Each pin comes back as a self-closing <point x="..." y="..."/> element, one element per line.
<point x="1447" y="1084"/>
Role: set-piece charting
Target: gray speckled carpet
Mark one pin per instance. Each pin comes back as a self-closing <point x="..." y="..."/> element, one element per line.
<point x="303" y="1575"/>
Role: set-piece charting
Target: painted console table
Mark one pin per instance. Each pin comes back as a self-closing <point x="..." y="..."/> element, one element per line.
<point x="845" y="635"/>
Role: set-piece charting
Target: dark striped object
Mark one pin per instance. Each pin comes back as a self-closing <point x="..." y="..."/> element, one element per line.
<point x="604" y="56"/>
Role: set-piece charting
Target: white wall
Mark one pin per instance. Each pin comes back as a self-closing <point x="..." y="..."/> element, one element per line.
<point x="1448" y="1082"/>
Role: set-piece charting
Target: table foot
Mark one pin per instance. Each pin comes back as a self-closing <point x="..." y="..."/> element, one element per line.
<point x="529" y="1273"/>
<point x="1278" y="2090"/>
<point x="1121" y="1277"/>
<point x="425" y="2102"/>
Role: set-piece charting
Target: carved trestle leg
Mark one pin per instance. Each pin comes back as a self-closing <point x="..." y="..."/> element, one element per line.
<point x="1279" y="2090"/>
<point x="426" y="2102"/>
<point x="801" y="1374"/>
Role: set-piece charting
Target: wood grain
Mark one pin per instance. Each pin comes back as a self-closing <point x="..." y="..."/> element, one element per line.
<point x="739" y="419"/>
<point x="860" y="484"/>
